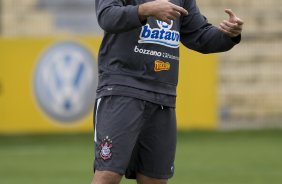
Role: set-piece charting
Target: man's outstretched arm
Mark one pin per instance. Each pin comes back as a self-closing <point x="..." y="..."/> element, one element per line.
<point x="114" y="16"/>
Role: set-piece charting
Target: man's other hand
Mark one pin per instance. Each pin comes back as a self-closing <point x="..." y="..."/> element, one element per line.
<point x="232" y="27"/>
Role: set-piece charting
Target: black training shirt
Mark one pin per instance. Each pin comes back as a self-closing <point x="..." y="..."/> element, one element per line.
<point x="141" y="59"/>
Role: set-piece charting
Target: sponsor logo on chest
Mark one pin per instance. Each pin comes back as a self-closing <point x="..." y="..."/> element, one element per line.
<point x="162" y="35"/>
<point x="161" y="66"/>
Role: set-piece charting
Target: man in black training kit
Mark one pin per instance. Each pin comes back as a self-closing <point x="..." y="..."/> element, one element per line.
<point x="135" y="124"/>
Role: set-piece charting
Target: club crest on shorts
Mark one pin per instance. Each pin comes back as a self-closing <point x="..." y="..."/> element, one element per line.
<point x="106" y="145"/>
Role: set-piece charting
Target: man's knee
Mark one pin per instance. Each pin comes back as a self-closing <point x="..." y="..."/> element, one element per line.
<point x="106" y="177"/>
<point x="142" y="179"/>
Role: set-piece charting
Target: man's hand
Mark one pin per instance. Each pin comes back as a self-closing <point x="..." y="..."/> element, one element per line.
<point x="233" y="27"/>
<point x="161" y="10"/>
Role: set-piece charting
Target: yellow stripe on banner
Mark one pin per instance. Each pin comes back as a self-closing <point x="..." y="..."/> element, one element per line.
<point x="20" y="111"/>
<point x="197" y="91"/>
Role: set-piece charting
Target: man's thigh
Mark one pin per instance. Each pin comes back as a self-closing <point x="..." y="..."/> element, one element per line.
<point x="118" y="121"/>
<point x="154" y="152"/>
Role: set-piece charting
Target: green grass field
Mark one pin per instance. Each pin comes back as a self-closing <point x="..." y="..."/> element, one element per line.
<point x="246" y="157"/>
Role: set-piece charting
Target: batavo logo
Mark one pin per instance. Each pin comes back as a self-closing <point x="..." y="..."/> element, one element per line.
<point x="162" y="35"/>
<point x="161" y="66"/>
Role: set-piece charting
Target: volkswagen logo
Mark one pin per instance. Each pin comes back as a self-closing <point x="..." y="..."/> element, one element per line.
<point x="65" y="81"/>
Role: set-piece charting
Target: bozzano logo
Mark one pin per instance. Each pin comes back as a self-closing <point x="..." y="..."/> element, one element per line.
<point x="162" y="35"/>
<point x="161" y="66"/>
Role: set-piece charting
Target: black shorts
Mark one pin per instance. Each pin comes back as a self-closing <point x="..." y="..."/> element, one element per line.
<point x="134" y="136"/>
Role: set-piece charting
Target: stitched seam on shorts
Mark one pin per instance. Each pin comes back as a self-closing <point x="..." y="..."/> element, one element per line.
<point x="155" y="175"/>
<point x="117" y="170"/>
